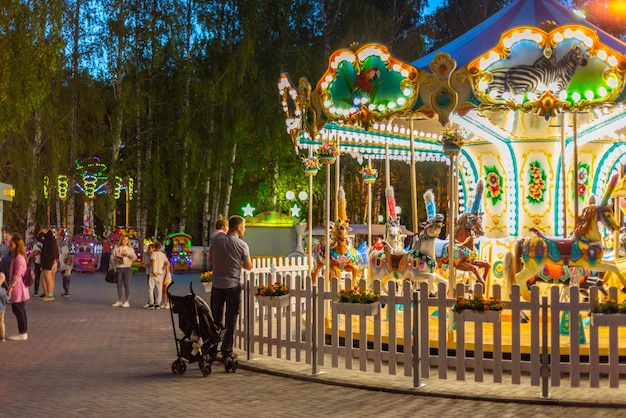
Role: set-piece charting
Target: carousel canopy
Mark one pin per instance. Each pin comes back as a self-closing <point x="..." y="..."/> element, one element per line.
<point x="535" y="13"/>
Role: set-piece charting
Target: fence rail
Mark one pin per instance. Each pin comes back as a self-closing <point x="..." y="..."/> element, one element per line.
<point x="420" y="336"/>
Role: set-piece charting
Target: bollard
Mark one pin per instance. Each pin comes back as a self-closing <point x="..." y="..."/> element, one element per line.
<point x="545" y="362"/>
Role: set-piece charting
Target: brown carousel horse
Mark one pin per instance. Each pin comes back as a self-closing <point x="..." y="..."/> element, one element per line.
<point x="583" y="249"/>
<point x="343" y="255"/>
<point x="468" y="227"/>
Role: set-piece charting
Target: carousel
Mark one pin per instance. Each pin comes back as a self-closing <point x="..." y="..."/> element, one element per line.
<point x="527" y="112"/>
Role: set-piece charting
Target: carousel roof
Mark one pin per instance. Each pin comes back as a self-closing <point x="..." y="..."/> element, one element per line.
<point x="519" y="13"/>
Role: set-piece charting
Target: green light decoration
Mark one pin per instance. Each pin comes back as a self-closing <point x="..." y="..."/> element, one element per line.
<point x="295" y="211"/>
<point x="90" y="183"/>
<point x="62" y="184"/>
<point x="248" y="211"/>
<point x="46" y="187"/>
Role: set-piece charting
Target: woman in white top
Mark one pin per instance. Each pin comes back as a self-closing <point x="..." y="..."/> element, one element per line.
<point x="123" y="256"/>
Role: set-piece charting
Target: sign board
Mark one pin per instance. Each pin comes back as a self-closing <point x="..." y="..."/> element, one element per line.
<point x="7" y="192"/>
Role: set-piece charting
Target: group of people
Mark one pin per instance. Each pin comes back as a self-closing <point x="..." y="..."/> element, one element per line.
<point x="13" y="267"/>
<point x="228" y="254"/>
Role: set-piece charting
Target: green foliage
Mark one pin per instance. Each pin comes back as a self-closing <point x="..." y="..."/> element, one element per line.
<point x="609" y="306"/>
<point x="478" y="304"/>
<point x="357" y="295"/>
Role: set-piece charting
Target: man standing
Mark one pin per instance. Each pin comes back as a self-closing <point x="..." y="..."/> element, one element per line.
<point x="229" y="254"/>
<point x="105" y="257"/>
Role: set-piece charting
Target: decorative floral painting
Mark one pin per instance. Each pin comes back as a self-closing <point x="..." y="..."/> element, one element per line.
<point x="537" y="183"/>
<point x="494" y="184"/>
<point x="582" y="179"/>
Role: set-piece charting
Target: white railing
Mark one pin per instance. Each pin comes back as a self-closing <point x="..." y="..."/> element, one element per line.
<point x="400" y="339"/>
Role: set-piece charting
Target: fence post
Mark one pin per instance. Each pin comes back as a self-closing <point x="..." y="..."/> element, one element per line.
<point x="247" y="314"/>
<point x="545" y="363"/>
<point x="416" y="342"/>
<point x="315" y="368"/>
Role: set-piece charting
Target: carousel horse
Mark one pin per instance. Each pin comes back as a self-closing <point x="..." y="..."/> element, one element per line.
<point x="389" y="262"/>
<point x="468" y="227"/>
<point x="583" y="249"/>
<point x="343" y="255"/>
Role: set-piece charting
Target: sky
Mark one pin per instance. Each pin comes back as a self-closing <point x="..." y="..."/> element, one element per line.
<point x="433" y="5"/>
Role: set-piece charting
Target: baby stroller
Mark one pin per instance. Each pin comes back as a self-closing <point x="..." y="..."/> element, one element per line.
<point x="201" y="335"/>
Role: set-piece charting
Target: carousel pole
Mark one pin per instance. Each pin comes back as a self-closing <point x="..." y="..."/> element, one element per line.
<point x="327" y="232"/>
<point x="309" y="243"/>
<point x="369" y="209"/>
<point x="451" y="216"/>
<point x="563" y="174"/>
<point x="337" y="178"/>
<point x="413" y="180"/>
<point x="575" y="139"/>
<point x="387" y="165"/>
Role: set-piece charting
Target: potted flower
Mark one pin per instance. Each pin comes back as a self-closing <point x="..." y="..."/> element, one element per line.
<point x="609" y="312"/>
<point x="327" y="153"/>
<point x="275" y="295"/>
<point x="356" y="301"/>
<point x="369" y="174"/>
<point x="311" y="166"/>
<point x="478" y="308"/>
<point x="206" y="279"/>
<point x="452" y="141"/>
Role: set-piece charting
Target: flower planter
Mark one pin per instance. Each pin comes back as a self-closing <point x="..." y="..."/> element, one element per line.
<point x="468" y="315"/>
<point x="327" y="159"/>
<point x="207" y="286"/>
<point x="274" y="301"/>
<point x="605" y="320"/>
<point x="369" y="179"/>
<point x="451" y="149"/>
<point x="367" y="309"/>
<point x="311" y="171"/>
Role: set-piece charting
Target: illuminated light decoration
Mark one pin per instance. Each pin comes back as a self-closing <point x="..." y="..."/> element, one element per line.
<point x="363" y="86"/>
<point x="46" y="186"/>
<point x="90" y="183"/>
<point x="118" y="188"/>
<point x="62" y="184"/>
<point x="295" y="211"/>
<point x="248" y="210"/>
<point x="551" y="98"/>
<point x="290" y="195"/>
<point x="303" y="196"/>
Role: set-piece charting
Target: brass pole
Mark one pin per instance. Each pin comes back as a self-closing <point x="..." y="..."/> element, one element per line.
<point x="564" y="174"/>
<point x="413" y="180"/>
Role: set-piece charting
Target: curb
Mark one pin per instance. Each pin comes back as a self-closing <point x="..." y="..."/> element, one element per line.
<point x="246" y="365"/>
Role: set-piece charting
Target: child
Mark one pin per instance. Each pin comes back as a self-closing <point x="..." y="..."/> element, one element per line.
<point x="3" y="304"/>
<point x="147" y="265"/>
<point x="66" y="271"/>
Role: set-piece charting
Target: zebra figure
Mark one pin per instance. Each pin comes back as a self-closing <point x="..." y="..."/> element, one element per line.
<point x="546" y="73"/>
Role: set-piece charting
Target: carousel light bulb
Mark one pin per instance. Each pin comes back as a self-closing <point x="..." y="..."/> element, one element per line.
<point x="381" y="108"/>
<point x="612" y="82"/>
<point x="589" y="95"/>
<point x="371" y="107"/>
<point x="612" y="61"/>
<point x="532" y="96"/>
<point x="576" y="96"/>
<point x="602" y="92"/>
<point x="391" y="105"/>
<point x="398" y="210"/>
<point x="327" y="103"/>
<point x="407" y="91"/>
<point x="519" y="98"/>
<point x="396" y="68"/>
<point x="404" y="73"/>
<point x="562" y="95"/>
<point x="290" y="195"/>
<point x="483" y="85"/>
<point x="401" y="101"/>
<point x="506" y="95"/>
<point x="558" y="37"/>
<point x="303" y="196"/>
<point x="602" y="54"/>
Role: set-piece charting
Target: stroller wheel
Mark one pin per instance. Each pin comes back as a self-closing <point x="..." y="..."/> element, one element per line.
<point x="181" y="367"/>
<point x="175" y="367"/>
<point x="206" y="369"/>
<point x="234" y="366"/>
<point x="228" y="364"/>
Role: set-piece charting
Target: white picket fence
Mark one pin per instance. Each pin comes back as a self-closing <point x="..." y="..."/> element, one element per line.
<point x="406" y="337"/>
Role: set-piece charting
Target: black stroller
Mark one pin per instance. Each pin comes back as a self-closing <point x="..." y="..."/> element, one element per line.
<point x="202" y="335"/>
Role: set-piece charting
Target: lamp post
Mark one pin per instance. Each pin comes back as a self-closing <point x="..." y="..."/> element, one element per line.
<point x="295" y="212"/>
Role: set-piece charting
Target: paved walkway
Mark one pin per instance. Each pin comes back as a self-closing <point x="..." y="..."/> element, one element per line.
<point x="86" y="358"/>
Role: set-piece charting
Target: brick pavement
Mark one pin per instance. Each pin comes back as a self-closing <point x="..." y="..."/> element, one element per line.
<point x="86" y="358"/>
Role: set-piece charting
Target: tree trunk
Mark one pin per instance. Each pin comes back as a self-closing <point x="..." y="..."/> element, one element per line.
<point x="231" y="177"/>
<point x="206" y="217"/>
<point x="29" y="236"/>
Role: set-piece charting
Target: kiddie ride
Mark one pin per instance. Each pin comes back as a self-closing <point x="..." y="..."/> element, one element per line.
<point x="85" y="248"/>
<point x="178" y="247"/>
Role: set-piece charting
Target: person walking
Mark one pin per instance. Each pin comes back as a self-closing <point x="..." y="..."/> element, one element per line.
<point x="3" y="306"/>
<point x="5" y="254"/>
<point x="229" y="254"/>
<point x="123" y="256"/>
<point x="105" y="257"/>
<point x="158" y="265"/>
<point x="17" y="290"/>
<point x="37" y="247"/>
<point x="49" y="257"/>
<point x="66" y="272"/>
